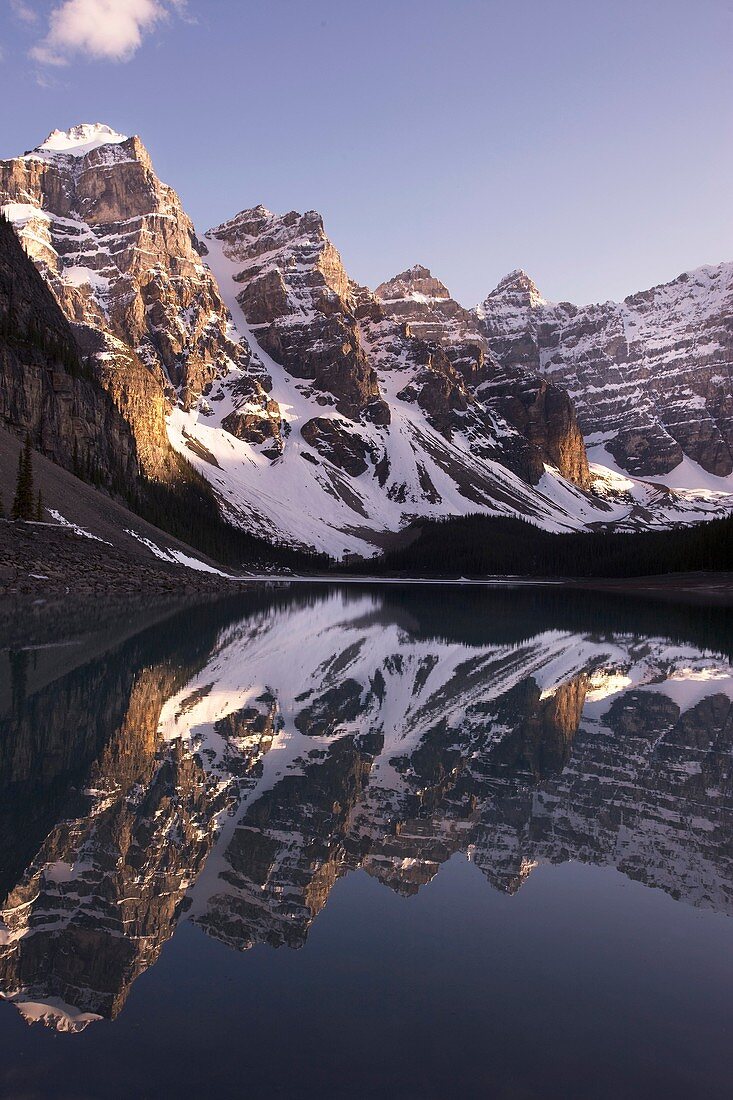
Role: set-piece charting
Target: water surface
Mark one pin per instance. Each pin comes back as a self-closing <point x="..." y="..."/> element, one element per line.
<point x="357" y="842"/>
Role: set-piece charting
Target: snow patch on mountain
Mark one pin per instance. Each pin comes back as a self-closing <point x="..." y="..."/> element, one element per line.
<point x="77" y="141"/>
<point x="687" y="478"/>
<point x="177" y="557"/>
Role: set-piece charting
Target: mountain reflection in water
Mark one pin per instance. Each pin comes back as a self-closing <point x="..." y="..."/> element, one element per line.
<point x="228" y="764"/>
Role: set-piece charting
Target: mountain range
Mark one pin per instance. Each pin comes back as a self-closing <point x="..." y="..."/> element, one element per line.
<point x="322" y="414"/>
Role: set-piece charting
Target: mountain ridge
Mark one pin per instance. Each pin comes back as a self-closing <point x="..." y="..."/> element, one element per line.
<point x="651" y="375"/>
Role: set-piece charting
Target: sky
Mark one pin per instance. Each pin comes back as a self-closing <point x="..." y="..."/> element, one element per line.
<point x="585" y="141"/>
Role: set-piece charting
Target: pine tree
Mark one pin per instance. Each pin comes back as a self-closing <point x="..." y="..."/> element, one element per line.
<point x="23" y="504"/>
<point x="17" y="500"/>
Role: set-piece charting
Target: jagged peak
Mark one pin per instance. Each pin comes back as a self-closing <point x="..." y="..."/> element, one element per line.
<point x="411" y="274"/>
<point x="254" y="214"/>
<point x="517" y="289"/>
<point x="79" y="140"/>
<point x="416" y="282"/>
<point x="259" y="216"/>
<point x="518" y="280"/>
<point x="417" y="271"/>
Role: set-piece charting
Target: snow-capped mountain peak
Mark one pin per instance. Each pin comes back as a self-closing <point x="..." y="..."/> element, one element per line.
<point x="417" y="283"/>
<point x="516" y="288"/>
<point x="79" y="140"/>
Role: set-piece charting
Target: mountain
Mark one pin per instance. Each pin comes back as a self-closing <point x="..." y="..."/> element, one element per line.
<point x="315" y="413"/>
<point x="541" y="413"/>
<point x="650" y="377"/>
<point x="123" y="320"/>
<point x="380" y="426"/>
<point x="416" y="298"/>
<point x="123" y="261"/>
<point x="90" y="539"/>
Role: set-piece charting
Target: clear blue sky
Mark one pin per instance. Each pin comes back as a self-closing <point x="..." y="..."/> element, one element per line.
<point x="587" y="141"/>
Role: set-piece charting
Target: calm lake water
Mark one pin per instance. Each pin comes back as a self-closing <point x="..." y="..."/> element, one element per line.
<point x="367" y="842"/>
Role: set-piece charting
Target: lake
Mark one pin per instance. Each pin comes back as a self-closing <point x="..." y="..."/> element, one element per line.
<point x="344" y="841"/>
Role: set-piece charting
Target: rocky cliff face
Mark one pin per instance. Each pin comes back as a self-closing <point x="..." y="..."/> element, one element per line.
<point x="650" y="377"/>
<point x="298" y="301"/>
<point x="122" y="259"/>
<point x="45" y="389"/>
<point x="542" y="414"/>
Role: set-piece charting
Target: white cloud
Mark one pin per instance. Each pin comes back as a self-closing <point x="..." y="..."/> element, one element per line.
<point x="108" y="30"/>
<point x="22" y="11"/>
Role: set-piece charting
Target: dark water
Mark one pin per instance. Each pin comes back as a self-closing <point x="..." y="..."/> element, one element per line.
<point x="419" y="842"/>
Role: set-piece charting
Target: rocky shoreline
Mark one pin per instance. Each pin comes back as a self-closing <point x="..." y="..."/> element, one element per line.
<point x="49" y="560"/>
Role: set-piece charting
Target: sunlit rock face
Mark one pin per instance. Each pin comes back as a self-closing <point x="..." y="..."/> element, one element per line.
<point x="232" y="773"/>
<point x="122" y="259"/>
<point x="298" y="300"/>
<point x="44" y="389"/>
<point x="650" y="377"/>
